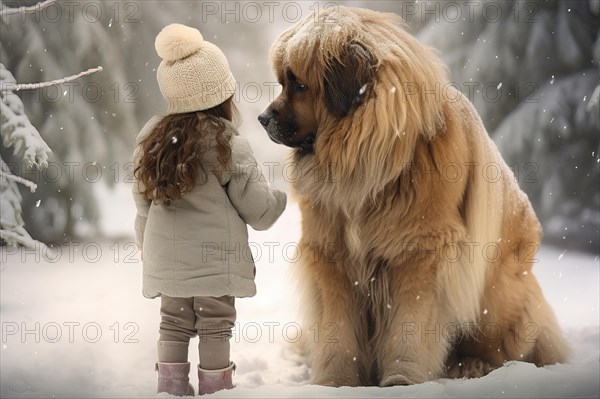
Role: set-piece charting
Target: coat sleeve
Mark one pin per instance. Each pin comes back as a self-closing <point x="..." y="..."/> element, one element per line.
<point x="257" y="203"/>
<point x="141" y="203"/>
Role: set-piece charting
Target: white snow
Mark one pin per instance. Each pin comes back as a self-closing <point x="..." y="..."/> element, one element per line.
<point x="75" y="324"/>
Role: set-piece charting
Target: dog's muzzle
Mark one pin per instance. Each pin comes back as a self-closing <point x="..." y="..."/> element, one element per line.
<point x="269" y="122"/>
<point x="285" y="133"/>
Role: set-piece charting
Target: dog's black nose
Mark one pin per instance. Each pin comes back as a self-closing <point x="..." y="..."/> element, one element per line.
<point x="264" y="118"/>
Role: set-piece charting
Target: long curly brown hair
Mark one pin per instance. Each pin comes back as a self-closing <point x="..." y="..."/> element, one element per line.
<point x="170" y="164"/>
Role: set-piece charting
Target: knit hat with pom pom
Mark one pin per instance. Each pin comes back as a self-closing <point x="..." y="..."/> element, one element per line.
<point x="194" y="74"/>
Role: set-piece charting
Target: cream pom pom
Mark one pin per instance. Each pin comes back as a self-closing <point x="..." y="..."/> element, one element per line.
<point x="177" y="41"/>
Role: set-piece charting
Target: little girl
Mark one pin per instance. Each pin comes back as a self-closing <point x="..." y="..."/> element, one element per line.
<point x="197" y="186"/>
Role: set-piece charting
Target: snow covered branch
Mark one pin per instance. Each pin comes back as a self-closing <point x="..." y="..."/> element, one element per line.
<point x="25" y="9"/>
<point x="20" y="237"/>
<point x="12" y="226"/>
<point x="16" y="129"/>
<point x="29" y="86"/>
<point x="9" y="176"/>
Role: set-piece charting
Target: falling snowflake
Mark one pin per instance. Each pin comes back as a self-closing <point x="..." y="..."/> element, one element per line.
<point x="562" y="254"/>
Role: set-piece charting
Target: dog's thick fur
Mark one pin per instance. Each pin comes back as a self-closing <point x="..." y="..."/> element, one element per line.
<point x="417" y="243"/>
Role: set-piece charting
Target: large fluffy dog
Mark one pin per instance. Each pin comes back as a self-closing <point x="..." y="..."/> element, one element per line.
<point x="417" y="242"/>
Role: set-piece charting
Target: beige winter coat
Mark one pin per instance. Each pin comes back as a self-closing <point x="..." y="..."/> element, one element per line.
<point x="198" y="245"/>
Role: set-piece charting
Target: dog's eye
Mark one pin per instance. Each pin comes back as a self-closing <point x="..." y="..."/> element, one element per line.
<point x="300" y="87"/>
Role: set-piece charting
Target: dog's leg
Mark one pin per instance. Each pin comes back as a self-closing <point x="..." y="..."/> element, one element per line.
<point x="533" y="337"/>
<point x="334" y="347"/>
<point x="534" y="334"/>
<point x="516" y="323"/>
<point x="413" y="347"/>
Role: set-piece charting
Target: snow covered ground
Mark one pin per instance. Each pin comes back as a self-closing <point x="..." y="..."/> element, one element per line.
<point x="74" y="324"/>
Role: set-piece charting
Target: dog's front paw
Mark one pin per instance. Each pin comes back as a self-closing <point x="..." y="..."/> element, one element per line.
<point x="404" y="373"/>
<point x="340" y="381"/>
<point x="469" y="367"/>
<point x="397" y="379"/>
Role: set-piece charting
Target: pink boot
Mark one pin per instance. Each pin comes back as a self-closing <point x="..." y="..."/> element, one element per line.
<point x="211" y="381"/>
<point x="173" y="378"/>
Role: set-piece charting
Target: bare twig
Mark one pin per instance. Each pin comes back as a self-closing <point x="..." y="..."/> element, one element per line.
<point x="31" y="86"/>
<point x="9" y="176"/>
<point x="25" y="9"/>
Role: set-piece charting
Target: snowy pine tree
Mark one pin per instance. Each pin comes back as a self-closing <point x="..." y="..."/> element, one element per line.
<point x="532" y="69"/>
<point x="18" y="133"/>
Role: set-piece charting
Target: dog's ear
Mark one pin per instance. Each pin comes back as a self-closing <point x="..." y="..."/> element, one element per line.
<point x="347" y="80"/>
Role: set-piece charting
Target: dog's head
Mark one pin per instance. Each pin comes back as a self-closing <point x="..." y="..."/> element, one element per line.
<point x="358" y="91"/>
<point x="294" y="117"/>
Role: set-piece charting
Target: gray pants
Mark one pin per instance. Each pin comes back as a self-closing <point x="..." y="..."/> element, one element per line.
<point x="208" y="317"/>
